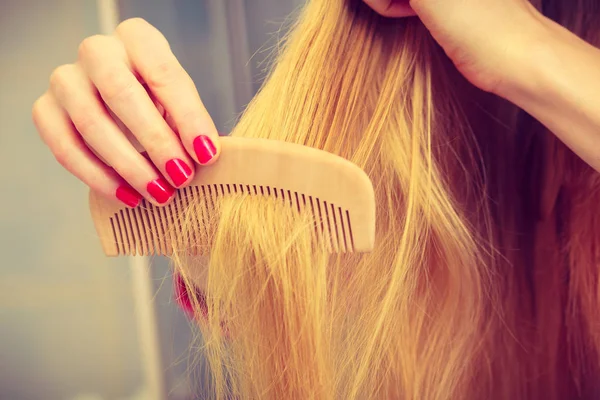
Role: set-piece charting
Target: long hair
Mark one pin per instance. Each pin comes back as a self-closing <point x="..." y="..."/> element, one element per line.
<point x="451" y="302"/>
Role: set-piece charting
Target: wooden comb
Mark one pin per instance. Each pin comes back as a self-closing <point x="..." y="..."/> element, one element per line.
<point x="337" y="193"/>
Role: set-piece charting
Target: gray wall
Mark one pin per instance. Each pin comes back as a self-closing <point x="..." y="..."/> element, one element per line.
<point x="67" y="322"/>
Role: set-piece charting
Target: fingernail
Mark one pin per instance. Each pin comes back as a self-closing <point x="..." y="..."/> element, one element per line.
<point x="205" y="149"/>
<point x="160" y="190"/>
<point x="178" y="170"/>
<point x="128" y="196"/>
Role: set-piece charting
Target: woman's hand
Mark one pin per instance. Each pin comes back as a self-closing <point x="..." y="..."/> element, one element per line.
<point x="507" y="47"/>
<point x="127" y="92"/>
<point x="486" y="39"/>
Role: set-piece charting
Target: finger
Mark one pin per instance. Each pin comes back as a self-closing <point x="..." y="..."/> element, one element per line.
<point x="152" y="58"/>
<point x="105" y="63"/>
<point x="77" y="96"/>
<point x="392" y="8"/>
<point x="59" y="134"/>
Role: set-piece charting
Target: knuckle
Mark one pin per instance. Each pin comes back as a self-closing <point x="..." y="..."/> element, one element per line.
<point x="62" y="155"/>
<point x="37" y="110"/>
<point x="156" y="141"/>
<point x="85" y="121"/>
<point x="91" y="46"/>
<point x="116" y="85"/>
<point x="60" y="77"/>
<point x="132" y="25"/>
<point x="163" y="74"/>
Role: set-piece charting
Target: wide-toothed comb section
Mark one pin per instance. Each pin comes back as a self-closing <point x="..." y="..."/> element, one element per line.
<point x="151" y="230"/>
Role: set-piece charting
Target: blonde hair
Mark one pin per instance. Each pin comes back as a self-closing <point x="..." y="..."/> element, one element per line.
<point x="437" y="310"/>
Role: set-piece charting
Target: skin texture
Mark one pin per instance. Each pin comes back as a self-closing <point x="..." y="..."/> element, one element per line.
<point x="127" y="93"/>
<point x="508" y="48"/>
<point x="480" y="36"/>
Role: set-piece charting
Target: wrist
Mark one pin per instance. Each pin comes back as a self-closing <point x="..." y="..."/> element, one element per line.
<point x="529" y="74"/>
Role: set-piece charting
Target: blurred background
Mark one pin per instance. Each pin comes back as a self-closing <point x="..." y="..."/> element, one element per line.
<point x="74" y="324"/>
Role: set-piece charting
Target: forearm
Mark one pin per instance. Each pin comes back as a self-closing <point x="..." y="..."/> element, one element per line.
<point x="559" y="85"/>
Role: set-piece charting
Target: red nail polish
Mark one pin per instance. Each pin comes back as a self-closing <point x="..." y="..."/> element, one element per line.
<point x="178" y="170"/>
<point x="128" y="196"/>
<point x="160" y="190"/>
<point x="205" y="149"/>
<point x="182" y="296"/>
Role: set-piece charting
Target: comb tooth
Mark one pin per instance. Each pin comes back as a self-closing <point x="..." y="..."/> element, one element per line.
<point x="330" y="228"/>
<point x="128" y="234"/>
<point x="316" y="212"/>
<point x="262" y="190"/>
<point x="193" y="219"/>
<point x="160" y="229"/>
<point x="115" y="235"/>
<point x="349" y="224"/>
<point x="189" y="218"/>
<point x="180" y="220"/>
<point x="297" y="202"/>
<point x="185" y="216"/>
<point x="210" y="197"/>
<point x="202" y="231"/>
<point x="215" y="197"/>
<point x="203" y="216"/>
<point x="228" y="188"/>
<point x="136" y="243"/>
<point x="167" y="229"/>
<point x="325" y="238"/>
<point x="222" y="189"/>
<point x="151" y="228"/>
<point x="302" y="208"/>
<point x="209" y="210"/>
<point x="175" y="226"/>
<point x="282" y="195"/>
<point x="146" y="233"/>
<point x="346" y="240"/>
<point x="122" y="233"/>
<point x="255" y="191"/>
<point x="196" y="220"/>
<point x="146" y="230"/>
<point x="338" y="229"/>
<point x="141" y="230"/>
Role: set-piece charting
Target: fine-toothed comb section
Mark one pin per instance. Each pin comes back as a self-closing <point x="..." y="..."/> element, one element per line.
<point x="337" y="194"/>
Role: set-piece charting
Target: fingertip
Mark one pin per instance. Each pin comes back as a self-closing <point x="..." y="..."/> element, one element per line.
<point x="160" y="192"/>
<point x="179" y="171"/>
<point x="128" y="196"/>
<point x="206" y="149"/>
